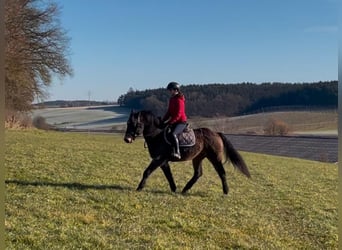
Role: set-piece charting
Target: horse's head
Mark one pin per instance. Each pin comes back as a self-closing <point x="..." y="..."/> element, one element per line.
<point x="142" y="122"/>
<point x="135" y="126"/>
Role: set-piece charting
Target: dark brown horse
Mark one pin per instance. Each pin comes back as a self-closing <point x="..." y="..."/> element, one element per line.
<point x="211" y="145"/>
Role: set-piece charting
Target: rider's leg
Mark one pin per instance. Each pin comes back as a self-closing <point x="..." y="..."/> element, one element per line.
<point x="177" y="130"/>
<point x="175" y="152"/>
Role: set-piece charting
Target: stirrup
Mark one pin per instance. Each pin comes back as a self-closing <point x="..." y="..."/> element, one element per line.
<point x="176" y="155"/>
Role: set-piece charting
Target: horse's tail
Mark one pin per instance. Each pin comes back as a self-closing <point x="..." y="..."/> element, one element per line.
<point x="234" y="156"/>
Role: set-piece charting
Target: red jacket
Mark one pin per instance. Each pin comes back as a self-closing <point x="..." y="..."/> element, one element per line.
<point x="176" y="110"/>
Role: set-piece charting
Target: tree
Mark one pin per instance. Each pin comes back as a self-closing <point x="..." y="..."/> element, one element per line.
<point x="36" y="50"/>
<point x="153" y="104"/>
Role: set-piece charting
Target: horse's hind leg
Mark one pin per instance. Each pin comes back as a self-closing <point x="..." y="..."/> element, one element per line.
<point x="167" y="172"/>
<point x="221" y="172"/>
<point x="197" y="165"/>
<point x="153" y="166"/>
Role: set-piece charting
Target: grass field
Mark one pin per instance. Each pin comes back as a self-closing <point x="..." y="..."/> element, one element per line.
<point x="77" y="191"/>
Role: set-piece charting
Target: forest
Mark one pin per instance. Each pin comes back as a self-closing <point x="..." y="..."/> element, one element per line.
<point x="214" y="100"/>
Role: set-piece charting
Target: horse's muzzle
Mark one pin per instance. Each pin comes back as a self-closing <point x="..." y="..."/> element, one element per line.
<point x="128" y="139"/>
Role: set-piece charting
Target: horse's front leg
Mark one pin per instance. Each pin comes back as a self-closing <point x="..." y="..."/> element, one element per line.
<point x="153" y="166"/>
<point x="197" y="165"/>
<point x="168" y="174"/>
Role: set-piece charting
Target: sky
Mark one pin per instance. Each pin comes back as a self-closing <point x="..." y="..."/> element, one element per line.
<point x="144" y="44"/>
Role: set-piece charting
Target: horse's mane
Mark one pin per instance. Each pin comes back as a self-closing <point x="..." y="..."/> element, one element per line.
<point x="147" y="112"/>
<point x="150" y="116"/>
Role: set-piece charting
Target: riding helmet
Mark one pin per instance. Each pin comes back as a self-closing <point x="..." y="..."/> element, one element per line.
<point x="173" y="85"/>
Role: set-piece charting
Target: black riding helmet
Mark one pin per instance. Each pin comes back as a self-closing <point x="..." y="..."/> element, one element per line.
<point x="173" y="85"/>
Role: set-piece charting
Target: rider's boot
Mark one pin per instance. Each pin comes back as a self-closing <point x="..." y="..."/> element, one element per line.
<point x="175" y="151"/>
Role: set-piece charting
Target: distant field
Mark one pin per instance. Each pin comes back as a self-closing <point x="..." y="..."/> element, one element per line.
<point x="103" y="117"/>
<point x="77" y="191"/>
<point x="300" y="122"/>
<point x="107" y="117"/>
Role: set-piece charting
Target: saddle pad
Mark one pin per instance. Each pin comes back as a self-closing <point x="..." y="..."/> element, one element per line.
<point x="186" y="138"/>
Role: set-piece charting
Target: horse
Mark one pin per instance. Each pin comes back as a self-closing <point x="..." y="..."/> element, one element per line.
<point x="209" y="144"/>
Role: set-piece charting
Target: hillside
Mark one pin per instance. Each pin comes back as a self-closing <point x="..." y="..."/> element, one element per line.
<point x="68" y="104"/>
<point x="97" y="117"/>
<point x="114" y="117"/>
<point x="299" y="122"/>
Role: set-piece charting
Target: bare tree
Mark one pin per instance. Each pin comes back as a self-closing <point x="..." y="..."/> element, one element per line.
<point x="36" y="50"/>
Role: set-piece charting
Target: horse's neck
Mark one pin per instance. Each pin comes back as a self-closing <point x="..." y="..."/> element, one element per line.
<point x="151" y="132"/>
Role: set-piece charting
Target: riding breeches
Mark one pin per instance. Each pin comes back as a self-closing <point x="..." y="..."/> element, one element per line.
<point x="178" y="128"/>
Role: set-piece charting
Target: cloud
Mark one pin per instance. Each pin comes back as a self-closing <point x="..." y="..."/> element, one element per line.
<point x="322" y="29"/>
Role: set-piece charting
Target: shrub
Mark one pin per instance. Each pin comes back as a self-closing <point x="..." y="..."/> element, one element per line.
<point x="276" y="127"/>
<point x="17" y="119"/>
<point x="40" y="123"/>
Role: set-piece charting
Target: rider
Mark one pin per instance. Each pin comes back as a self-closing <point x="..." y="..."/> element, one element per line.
<point x="175" y="115"/>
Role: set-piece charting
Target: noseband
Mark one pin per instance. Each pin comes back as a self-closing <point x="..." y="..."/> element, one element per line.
<point x="137" y="128"/>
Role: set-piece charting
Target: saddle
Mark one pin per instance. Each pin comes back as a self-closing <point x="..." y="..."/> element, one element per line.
<point x="186" y="138"/>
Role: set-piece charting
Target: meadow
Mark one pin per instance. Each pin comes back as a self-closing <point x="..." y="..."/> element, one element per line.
<point x="77" y="191"/>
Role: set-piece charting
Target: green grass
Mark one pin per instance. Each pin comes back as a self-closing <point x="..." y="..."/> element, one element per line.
<point x="77" y="191"/>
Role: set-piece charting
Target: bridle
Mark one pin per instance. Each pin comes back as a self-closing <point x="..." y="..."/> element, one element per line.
<point x="137" y="127"/>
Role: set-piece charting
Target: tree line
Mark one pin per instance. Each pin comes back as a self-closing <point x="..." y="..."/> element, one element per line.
<point x="212" y="100"/>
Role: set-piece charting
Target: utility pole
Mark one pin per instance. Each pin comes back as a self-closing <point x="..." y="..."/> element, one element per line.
<point x="89" y="94"/>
